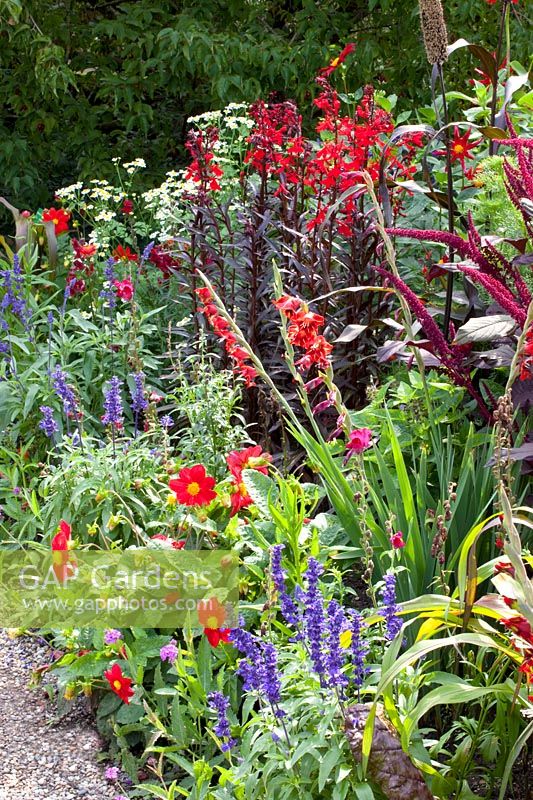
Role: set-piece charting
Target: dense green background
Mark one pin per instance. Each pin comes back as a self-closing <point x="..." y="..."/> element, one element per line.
<point x="84" y="81"/>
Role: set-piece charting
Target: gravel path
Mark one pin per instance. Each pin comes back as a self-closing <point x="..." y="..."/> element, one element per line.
<point x="40" y="760"/>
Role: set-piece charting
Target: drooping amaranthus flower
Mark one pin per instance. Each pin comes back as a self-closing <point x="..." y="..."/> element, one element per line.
<point x="193" y="486"/>
<point x="220" y="704"/>
<point x="287" y="604"/>
<point x="119" y="684"/>
<point x="48" y="423"/>
<point x="393" y="623"/>
<point x="113" y="411"/>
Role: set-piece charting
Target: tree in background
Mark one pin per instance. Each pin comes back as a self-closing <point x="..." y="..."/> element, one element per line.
<point x="84" y="81"/>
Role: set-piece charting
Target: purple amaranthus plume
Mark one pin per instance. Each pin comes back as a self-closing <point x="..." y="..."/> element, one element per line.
<point x="450" y="360"/>
<point x="113" y="404"/>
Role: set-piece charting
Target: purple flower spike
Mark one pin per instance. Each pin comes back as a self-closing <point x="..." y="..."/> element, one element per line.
<point x="287" y="605"/>
<point x="393" y="623"/>
<point x="220" y="704"/>
<point x="113" y="404"/>
<point x="48" y="423"/>
<point x="314" y="622"/>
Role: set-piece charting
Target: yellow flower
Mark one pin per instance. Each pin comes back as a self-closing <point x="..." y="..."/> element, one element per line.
<point x="345" y="639"/>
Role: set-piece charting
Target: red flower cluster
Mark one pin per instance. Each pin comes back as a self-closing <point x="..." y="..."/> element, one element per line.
<point x="82" y="267"/>
<point x="203" y="170"/>
<point x="526" y="362"/>
<point x="223" y="330"/>
<point x="59" y="217"/>
<point x="237" y="460"/>
<point x="165" y="262"/>
<point x="119" y="684"/>
<point x="277" y="126"/>
<point x="127" y="207"/>
<point x="520" y="627"/>
<point x="303" y="331"/>
<point x="193" y="486"/>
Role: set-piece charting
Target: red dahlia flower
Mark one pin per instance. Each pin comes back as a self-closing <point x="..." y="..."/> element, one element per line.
<point x="239" y="498"/>
<point x="193" y="487"/>
<point x="249" y="458"/>
<point x="119" y="684"/>
<point x="121" y="253"/>
<point x="216" y="635"/>
<point x="59" y="217"/>
<point x="211" y="613"/>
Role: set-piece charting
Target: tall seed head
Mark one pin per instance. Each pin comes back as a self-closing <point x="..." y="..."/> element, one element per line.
<point x="434" y="30"/>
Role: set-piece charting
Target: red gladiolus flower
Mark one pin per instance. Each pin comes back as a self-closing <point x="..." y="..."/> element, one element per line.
<point x="59" y="217"/>
<point x="119" y="684"/>
<point x="216" y="635"/>
<point x="249" y="458"/>
<point x="519" y="626"/>
<point x="124" y="289"/>
<point x="287" y="305"/>
<point x="127" y="207"/>
<point x="461" y="146"/>
<point x="332" y="66"/>
<point x="121" y="253"/>
<point x="204" y="294"/>
<point x="359" y="441"/>
<point x="193" y="487"/>
<point x="397" y="541"/>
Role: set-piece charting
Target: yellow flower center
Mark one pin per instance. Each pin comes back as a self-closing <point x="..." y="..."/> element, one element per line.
<point x="193" y="488"/>
<point x="117" y="685"/>
<point x="458" y="148"/>
<point x="55" y="221"/>
<point x="335" y="62"/>
<point x="212" y="622"/>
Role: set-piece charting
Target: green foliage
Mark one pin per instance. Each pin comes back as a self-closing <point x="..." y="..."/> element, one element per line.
<point x="123" y="77"/>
